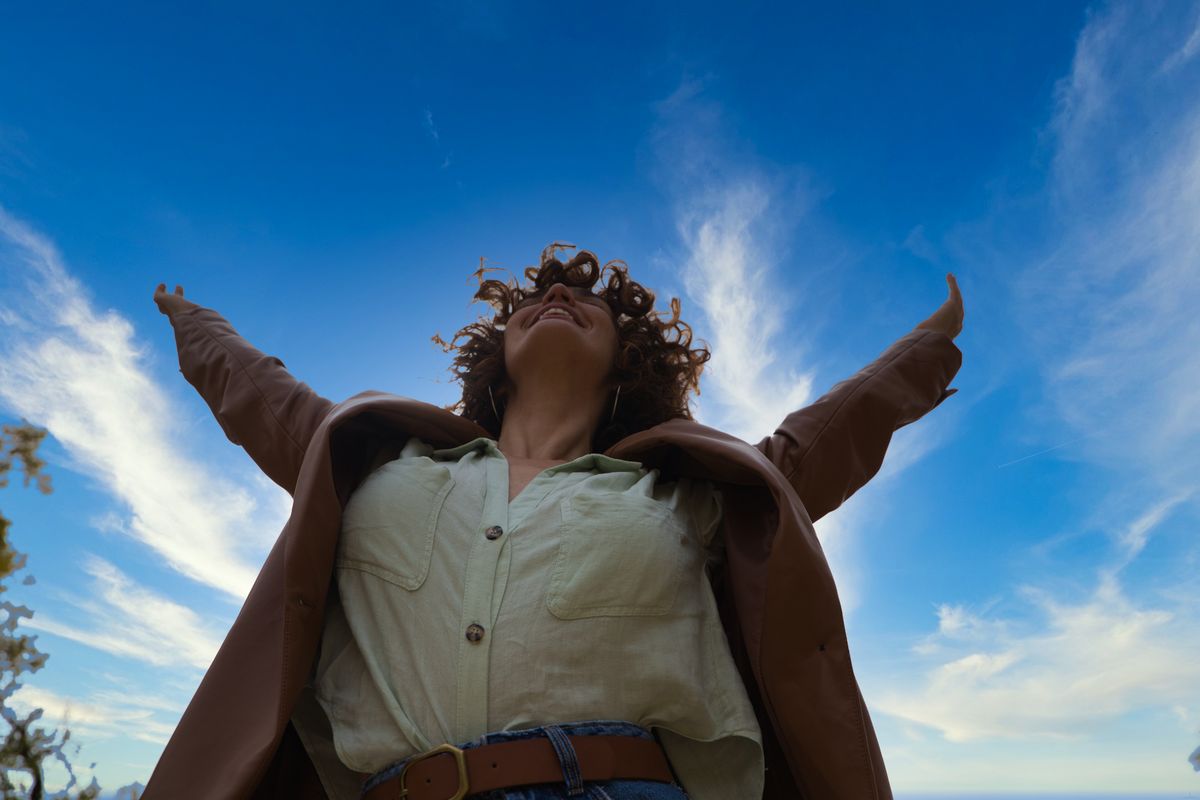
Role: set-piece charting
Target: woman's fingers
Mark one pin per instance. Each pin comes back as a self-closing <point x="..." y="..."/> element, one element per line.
<point x="169" y="303"/>
<point x="955" y="299"/>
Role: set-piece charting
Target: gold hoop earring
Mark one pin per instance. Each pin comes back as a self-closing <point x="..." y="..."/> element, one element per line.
<point x="493" y="399"/>
<point x="613" y="415"/>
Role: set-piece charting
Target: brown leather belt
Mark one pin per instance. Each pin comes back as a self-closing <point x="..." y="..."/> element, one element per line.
<point x="448" y="773"/>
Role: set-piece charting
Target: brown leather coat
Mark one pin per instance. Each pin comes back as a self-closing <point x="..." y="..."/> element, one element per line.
<point x="777" y="597"/>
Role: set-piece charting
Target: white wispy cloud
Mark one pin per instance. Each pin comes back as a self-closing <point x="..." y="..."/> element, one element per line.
<point x="732" y="231"/>
<point x="730" y="226"/>
<point x="81" y="373"/>
<point x="1185" y="53"/>
<point x="128" y="620"/>
<point x="430" y="128"/>
<point x="1109" y="307"/>
<point x="734" y="218"/>
<point x="1055" y="668"/>
<point x="97" y="717"/>
<point x="917" y="243"/>
<point x="1083" y="663"/>
<point x="729" y="278"/>
<point x="1133" y="537"/>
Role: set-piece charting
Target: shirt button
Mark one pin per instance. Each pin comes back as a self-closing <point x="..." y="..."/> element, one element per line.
<point x="474" y="632"/>
<point x="494" y="532"/>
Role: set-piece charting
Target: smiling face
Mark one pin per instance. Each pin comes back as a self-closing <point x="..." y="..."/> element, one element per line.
<point x="566" y="329"/>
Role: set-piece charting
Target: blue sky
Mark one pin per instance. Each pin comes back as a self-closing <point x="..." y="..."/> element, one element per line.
<point x="1020" y="578"/>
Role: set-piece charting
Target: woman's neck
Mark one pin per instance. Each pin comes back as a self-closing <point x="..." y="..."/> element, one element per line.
<point x="549" y="426"/>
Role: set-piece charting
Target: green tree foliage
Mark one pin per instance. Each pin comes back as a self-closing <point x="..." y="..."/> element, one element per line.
<point x="26" y="746"/>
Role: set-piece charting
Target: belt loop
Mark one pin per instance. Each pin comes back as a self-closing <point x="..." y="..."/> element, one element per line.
<point x="567" y="759"/>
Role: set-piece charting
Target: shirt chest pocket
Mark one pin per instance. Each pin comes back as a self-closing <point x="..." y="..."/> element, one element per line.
<point x="389" y="524"/>
<point x="619" y="555"/>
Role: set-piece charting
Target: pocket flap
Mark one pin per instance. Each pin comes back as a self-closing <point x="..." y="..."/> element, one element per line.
<point x="619" y="555"/>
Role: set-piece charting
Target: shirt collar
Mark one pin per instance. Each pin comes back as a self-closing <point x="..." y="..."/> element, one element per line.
<point x="592" y="461"/>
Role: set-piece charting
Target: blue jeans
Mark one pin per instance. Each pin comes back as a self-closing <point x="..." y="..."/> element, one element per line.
<point x="571" y="787"/>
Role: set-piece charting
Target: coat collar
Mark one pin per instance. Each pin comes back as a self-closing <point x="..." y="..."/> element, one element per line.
<point x="677" y="446"/>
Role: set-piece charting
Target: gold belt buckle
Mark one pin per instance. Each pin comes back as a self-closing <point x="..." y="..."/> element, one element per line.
<point x="459" y="759"/>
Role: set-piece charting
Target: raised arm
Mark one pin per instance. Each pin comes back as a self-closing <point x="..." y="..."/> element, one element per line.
<point x="831" y="448"/>
<point x="256" y="401"/>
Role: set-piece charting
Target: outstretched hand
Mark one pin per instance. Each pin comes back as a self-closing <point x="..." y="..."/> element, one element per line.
<point x="171" y="303"/>
<point x="949" y="317"/>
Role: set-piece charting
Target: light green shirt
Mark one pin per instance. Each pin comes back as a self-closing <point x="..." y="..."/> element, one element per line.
<point x="459" y="613"/>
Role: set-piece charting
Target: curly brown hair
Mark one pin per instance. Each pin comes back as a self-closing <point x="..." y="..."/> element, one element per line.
<point x="655" y="367"/>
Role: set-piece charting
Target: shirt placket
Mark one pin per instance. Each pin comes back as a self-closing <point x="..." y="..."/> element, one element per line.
<point x="479" y="589"/>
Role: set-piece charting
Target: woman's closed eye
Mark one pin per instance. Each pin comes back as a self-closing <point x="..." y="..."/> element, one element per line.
<point x="530" y="301"/>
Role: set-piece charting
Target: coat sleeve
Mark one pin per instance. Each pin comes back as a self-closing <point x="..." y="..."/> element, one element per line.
<point x="256" y="401"/>
<point x="831" y="448"/>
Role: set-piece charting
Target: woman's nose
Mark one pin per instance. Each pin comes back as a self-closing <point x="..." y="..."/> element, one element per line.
<point x="559" y="293"/>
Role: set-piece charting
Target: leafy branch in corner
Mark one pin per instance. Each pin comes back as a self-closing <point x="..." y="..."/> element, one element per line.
<point x="26" y="746"/>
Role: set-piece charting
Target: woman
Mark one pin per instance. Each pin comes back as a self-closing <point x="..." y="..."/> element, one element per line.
<point x="549" y="609"/>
